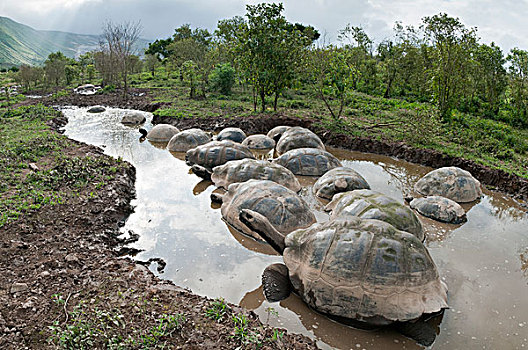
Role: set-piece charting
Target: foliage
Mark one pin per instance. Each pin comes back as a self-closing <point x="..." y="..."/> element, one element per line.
<point x="218" y="310"/>
<point x="222" y="78"/>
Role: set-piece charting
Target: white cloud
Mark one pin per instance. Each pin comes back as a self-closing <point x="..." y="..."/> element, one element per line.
<point x="503" y="22"/>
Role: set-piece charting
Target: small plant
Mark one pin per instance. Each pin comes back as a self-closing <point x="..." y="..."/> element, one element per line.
<point x="243" y="333"/>
<point x="167" y="325"/>
<point x="277" y="335"/>
<point x="271" y="311"/>
<point x="218" y="310"/>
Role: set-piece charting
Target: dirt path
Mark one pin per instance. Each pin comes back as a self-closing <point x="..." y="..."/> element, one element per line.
<point x="64" y="284"/>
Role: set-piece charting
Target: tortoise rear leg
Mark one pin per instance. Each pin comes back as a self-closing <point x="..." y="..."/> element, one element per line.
<point x="276" y="282"/>
<point x="420" y="331"/>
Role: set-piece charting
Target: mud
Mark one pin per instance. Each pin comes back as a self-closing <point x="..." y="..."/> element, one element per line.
<point x="69" y="253"/>
<point x="493" y="178"/>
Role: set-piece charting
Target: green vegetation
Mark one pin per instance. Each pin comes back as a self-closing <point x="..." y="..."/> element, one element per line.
<point x="433" y="86"/>
<point x="218" y="310"/>
<point x="36" y="167"/>
<point x="88" y="327"/>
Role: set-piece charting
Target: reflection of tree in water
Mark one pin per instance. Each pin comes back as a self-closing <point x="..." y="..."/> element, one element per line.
<point x="524" y="263"/>
<point x="403" y="180"/>
<point x="504" y="207"/>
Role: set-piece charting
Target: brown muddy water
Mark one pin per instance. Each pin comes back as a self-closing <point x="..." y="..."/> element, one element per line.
<point x="484" y="261"/>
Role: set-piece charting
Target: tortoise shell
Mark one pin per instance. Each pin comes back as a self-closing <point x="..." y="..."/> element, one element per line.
<point x="216" y="153"/>
<point x="338" y="180"/>
<point x="369" y="204"/>
<point x="259" y="141"/>
<point x="133" y="118"/>
<point x="233" y="134"/>
<point x="450" y="182"/>
<point x="285" y="210"/>
<point x="308" y="161"/>
<point x="187" y="139"/>
<point x="277" y="132"/>
<point x="439" y="208"/>
<point x="365" y="270"/>
<point x="247" y="169"/>
<point x="298" y="137"/>
<point x="162" y="133"/>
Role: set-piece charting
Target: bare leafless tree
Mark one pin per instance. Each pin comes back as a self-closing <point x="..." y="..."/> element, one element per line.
<point x="118" y="41"/>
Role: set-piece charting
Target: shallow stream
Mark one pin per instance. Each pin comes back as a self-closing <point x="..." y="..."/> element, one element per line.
<point x="484" y="261"/>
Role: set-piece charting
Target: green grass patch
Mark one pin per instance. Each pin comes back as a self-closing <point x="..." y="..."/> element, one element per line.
<point x="35" y="169"/>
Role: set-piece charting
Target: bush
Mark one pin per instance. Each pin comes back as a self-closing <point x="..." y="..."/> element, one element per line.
<point x="222" y="78"/>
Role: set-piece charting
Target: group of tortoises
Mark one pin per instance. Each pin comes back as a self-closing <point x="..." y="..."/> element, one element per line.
<point x="367" y="265"/>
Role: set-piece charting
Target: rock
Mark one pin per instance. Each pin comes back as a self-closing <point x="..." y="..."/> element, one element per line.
<point x="96" y="109"/>
<point x="18" y="287"/>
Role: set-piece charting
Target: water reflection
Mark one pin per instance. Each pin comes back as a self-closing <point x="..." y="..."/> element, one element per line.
<point x="484" y="262"/>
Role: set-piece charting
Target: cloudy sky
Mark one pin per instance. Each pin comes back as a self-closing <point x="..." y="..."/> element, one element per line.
<point x="505" y="22"/>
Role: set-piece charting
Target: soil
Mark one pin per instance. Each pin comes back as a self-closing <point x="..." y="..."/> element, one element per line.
<point x="494" y="179"/>
<point x="68" y="257"/>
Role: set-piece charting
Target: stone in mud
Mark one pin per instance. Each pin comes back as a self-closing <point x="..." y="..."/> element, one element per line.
<point x="450" y="182"/>
<point x="18" y="287"/>
<point x="96" y="109"/>
<point x="162" y="133"/>
<point x="440" y="208"/>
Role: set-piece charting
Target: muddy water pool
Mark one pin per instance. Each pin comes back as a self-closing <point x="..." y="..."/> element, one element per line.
<point x="484" y="261"/>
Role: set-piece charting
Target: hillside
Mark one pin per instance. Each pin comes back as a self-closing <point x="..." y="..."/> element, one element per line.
<point x="21" y="44"/>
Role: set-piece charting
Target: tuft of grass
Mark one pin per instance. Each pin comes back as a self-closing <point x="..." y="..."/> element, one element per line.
<point x="218" y="310"/>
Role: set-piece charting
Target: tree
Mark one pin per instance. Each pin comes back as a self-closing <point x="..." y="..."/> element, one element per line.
<point x="518" y="60"/>
<point x="28" y="75"/>
<point x="489" y="78"/>
<point x="451" y="45"/>
<point x="55" y="67"/>
<point x="270" y="49"/>
<point x="332" y="77"/>
<point x="222" y="78"/>
<point x="151" y="63"/>
<point x="118" y="42"/>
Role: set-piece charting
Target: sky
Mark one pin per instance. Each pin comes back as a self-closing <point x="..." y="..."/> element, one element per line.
<point x="503" y="22"/>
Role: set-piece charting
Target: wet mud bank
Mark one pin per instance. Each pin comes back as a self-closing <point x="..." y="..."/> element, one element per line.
<point x="495" y="179"/>
<point x="66" y="257"/>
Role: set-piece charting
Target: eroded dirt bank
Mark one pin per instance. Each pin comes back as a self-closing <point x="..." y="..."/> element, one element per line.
<point x="492" y="178"/>
<point x="60" y="268"/>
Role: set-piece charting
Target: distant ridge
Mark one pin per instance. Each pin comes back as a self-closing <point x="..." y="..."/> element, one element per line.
<point x="21" y="44"/>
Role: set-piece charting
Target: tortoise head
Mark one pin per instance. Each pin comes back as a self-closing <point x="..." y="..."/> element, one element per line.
<point x="261" y="225"/>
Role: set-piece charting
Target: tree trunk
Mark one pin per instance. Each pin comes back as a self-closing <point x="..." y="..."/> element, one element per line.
<point x="263" y="99"/>
<point x="275" y="101"/>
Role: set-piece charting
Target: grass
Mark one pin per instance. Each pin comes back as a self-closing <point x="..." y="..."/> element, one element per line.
<point x="35" y="167"/>
<point x="488" y="142"/>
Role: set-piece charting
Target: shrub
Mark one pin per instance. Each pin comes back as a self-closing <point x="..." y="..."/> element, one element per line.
<point x="222" y="78"/>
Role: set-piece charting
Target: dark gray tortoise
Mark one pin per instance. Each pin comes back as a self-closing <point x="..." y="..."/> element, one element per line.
<point x="286" y="210"/>
<point x="133" y="118"/>
<point x="298" y="137"/>
<point x="233" y="134"/>
<point x="162" y="133"/>
<point x="338" y="180"/>
<point x="259" y="142"/>
<point x="369" y="204"/>
<point x="205" y="157"/>
<point x="349" y="268"/>
<point x="247" y="169"/>
<point x="440" y="208"/>
<point x="277" y="132"/>
<point x="450" y="182"/>
<point x="96" y="109"/>
<point x="308" y="161"/>
<point x="187" y="139"/>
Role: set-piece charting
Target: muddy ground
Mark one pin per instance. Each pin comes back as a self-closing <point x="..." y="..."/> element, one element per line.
<point x="64" y="283"/>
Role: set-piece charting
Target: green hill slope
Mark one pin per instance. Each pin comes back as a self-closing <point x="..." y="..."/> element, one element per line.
<point x="21" y="44"/>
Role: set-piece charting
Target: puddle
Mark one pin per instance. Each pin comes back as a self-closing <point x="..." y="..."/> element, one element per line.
<point x="484" y="261"/>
